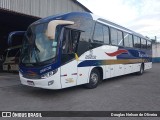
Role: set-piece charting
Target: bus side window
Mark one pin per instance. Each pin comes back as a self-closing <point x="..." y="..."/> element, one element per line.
<point x="137" y="43"/>
<point x="119" y="38"/>
<point x="149" y="45"/>
<point x="116" y="37"/>
<point x="128" y="41"/>
<point x="106" y="34"/>
<point x="98" y="33"/>
<point x="143" y="44"/>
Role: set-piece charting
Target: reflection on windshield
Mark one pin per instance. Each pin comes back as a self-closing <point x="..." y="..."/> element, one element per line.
<point x="37" y="48"/>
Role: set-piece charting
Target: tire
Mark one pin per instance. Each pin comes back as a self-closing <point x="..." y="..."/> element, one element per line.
<point x="141" y="71"/>
<point x="94" y="79"/>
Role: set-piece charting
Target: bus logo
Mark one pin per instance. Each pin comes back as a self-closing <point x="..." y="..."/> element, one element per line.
<point x="45" y="69"/>
<point x="90" y="56"/>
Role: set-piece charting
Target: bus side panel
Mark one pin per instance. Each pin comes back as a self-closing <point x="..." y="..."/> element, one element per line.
<point x="83" y="75"/>
<point x="107" y="71"/>
<point x="136" y="67"/>
<point x="69" y="74"/>
<point x="114" y="70"/>
<point x="127" y="68"/>
<point x="104" y="73"/>
<point x="119" y="70"/>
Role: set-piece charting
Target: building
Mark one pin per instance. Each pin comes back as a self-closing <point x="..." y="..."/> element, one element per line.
<point x="17" y="15"/>
<point x="156" y="52"/>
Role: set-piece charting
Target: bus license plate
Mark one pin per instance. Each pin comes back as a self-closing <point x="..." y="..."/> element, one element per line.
<point x="30" y="83"/>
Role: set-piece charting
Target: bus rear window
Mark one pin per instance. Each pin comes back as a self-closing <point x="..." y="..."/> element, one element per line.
<point x="13" y="53"/>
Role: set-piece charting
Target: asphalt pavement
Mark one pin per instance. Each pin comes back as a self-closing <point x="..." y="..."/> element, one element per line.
<point x="126" y="93"/>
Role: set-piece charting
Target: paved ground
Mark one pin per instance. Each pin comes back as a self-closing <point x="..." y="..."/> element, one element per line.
<point x="126" y="93"/>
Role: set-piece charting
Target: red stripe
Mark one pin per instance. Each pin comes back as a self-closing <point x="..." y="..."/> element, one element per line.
<point x="63" y="75"/>
<point x="118" y="52"/>
<point x="74" y="73"/>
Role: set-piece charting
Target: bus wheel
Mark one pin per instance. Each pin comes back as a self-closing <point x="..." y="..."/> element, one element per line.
<point x="94" y="79"/>
<point x="141" y="70"/>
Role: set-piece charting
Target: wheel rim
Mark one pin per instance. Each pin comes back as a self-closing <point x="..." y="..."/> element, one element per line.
<point x="94" y="78"/>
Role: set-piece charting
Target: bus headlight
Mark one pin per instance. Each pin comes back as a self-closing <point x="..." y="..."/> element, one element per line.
<point x="48" y="74"/>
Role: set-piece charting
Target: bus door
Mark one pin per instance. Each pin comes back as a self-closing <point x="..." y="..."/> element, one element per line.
<point x="69" y="63"/>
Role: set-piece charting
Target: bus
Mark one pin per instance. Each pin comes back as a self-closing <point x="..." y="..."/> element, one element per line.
<point x="11" y="59"/>
<point x="80" y="48"/>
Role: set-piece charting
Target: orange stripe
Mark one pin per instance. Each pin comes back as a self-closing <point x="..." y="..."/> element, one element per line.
<point x="124" y="61"/>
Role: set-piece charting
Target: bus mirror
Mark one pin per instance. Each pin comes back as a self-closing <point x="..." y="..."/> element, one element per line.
<point x="51" y="29"/>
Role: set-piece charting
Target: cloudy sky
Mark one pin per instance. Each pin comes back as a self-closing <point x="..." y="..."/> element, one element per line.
<point x="142" y="16"/>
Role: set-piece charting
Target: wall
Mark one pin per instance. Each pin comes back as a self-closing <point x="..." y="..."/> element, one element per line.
<point x="156" y="52"/>
<point x="41" y="8"/>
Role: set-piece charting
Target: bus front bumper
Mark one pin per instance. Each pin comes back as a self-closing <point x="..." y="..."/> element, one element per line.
<point x="50" y="83"/>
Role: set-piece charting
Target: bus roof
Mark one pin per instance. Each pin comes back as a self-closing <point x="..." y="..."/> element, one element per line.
<point x="89" y="16"/>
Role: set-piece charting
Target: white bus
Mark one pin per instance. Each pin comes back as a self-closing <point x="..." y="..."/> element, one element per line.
<point x="80" y="48"/>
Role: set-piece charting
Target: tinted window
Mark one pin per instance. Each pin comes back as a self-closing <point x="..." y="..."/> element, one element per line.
<point x="98" y="33"/>
<point x="17" y="40"/>
<point x="113" y="36"/>
<point x="106" y="34"/>
<point x="128" y="41"/>
<point x="120" y="38"/>
<point x="137" y="43"/>
<point x="143" y="44"/>
<point x="149" y="45"/>
<point x="116" y="37"/>
<point x="85" y="35"/>
<point x="13" y="52"/>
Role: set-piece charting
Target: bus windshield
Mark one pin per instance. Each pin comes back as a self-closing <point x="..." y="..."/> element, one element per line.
<point x="37" y="47"/>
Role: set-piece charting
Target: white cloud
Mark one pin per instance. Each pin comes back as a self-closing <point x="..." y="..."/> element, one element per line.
<point x="142" y="16"/>
<point x="113" y="10"/>
<point x="148" y="25"/>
